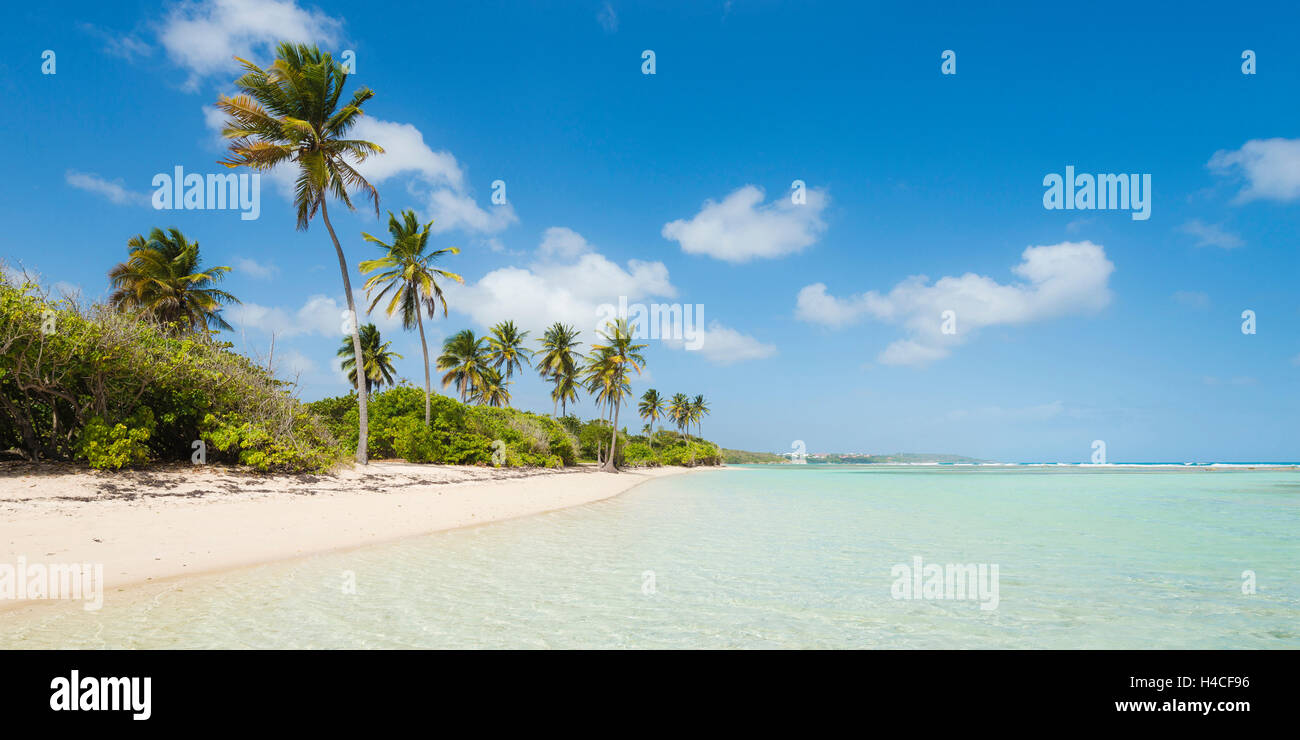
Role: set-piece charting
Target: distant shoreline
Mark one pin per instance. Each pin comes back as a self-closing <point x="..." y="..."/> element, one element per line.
<point x="152" y="525"/>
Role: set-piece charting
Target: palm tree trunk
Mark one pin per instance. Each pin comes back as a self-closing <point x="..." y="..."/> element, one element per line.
<point x="363" y="413"/>
<point x="419" y="318"/>
<point x="609" y="466"/>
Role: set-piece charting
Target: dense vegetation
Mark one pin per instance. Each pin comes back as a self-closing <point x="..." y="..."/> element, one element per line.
<point x="116" y="389"/>
<point x="464" y="434"/>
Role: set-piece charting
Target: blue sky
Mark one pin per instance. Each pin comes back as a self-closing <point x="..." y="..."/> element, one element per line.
<point x="675" y="187"/>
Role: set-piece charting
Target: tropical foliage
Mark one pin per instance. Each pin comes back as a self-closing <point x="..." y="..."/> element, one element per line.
<point x="104" y="386"/>
<point x="377" y="358"/>
<point x="163" y="280"/>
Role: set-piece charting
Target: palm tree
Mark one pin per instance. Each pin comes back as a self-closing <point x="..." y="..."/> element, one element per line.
<point x="408" y="273"/>
<point x="679" y="410"/>
<point x="615" y="357"/>
<point x="377" y="359"/>
<point x="566" y="388"/>
<point x="559" y="362"/>
<point x="492" y="389"/>
<point x="651" y="408"/>
<point x="164" y="279"/>
<point x="463" y="359"/>
<point x="290" y="113"/>
<point x="699" y="409"/>
<point x="506" y="348"/>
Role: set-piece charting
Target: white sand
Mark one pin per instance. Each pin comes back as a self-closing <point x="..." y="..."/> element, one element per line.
<point x="150" y="525"/>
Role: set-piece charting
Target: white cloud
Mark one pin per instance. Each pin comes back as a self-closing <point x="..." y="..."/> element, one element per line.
<point x="559" y="241"/>
<point x="741" y="227"/>
<point x="1211" y="235"/>
<point x="1271" y="168"/>
<point x="255" y="269"/>
<point x="725" y="346"/>
<point x="1057" y="280"/>
<point x="204" y="38"/>
<point x="115" y="191"/>
<point x="567" y="283"/>
<point x="405" y="153"/>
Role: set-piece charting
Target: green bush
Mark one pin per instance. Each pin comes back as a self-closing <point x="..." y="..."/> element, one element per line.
<point x="116" y="446"/>
<point x="69" y="375"/>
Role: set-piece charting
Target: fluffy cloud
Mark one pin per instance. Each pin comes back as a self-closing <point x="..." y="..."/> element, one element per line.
<point x="115" y="191"/>
<point x="1057" y="280"/>
<point x="204" y="38"/>
<point x="566" y="283"/>
<point x="1211" y="235"/>
<point x="1270" y="167"/>
<point x="741" y="227"/>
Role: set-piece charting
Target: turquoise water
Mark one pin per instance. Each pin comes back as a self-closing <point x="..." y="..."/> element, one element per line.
<point x="787" y="557"/>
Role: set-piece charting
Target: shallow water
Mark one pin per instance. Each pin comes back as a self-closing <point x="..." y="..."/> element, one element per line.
<point x="790" y="557"/>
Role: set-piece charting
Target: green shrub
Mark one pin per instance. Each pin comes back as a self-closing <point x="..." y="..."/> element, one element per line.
<point x="115" y="446"/>
<point x="66" y="370"/>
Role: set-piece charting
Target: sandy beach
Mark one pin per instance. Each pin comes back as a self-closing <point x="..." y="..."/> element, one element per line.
<point x="151" y="525"/>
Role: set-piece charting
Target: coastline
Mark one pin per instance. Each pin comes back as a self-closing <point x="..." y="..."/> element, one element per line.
<point x="147" y="526"/>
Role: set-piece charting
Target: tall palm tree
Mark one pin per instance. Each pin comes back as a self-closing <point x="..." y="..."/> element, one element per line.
<point x="699" y="409"/>
<point x="616" y="356"/>
<point x="408" y="273"/>
<point x="377" y="359"/>
<point x="163" y="277"/>
<point x="679" y="410"/>
<point x="651" y="408"/>
<point x="463" y="358"/>
<point x="493" y="389"/>
<point x="506" y="349"/>
<point x="566" y="388"/>
<point x="290" y="113"/>
<point x="559" y="362"/>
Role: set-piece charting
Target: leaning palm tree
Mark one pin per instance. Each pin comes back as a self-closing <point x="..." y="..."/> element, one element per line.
<point x="463" y="359"/>
<point x="408" y="273"/>
<point x="559" y="362"/>
<point x="506" y="349"/>
<point x="651" y="408"/>
<point x="377" y="358"/>
<point x="290" y="114"/>
<point x="617" y="355"/>
<point x="163" y="278"/>
<point x="493" y="389"/>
